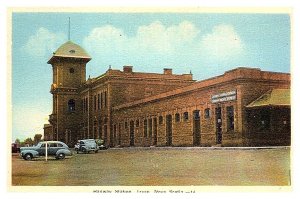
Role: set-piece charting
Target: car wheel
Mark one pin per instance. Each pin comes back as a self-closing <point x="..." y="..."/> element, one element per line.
<point x="27" y="156"/>
<point x="60" y="156"/>
<point x="96" y="151"/>
<point x="84" y="150"/>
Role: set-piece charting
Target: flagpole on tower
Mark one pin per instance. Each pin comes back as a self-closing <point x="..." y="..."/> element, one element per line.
<point x="69" y="31"/>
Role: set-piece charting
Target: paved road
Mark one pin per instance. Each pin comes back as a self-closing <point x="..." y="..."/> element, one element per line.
<point x="158" y="166"/>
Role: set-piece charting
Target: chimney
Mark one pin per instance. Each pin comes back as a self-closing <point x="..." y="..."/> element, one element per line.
<point x="168" y="71"/>
<point x="127" y="69"/>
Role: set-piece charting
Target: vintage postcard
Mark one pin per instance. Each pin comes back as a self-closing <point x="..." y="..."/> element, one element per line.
<point x="157" y="100"/>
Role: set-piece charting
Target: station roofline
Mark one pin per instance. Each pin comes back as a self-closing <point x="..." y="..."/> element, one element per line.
<point x="234" y="74"/>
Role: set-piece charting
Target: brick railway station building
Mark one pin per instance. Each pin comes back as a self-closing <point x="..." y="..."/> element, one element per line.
<point x="242" y="107"/>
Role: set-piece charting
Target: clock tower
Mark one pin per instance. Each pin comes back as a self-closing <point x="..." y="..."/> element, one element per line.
<point x="69" y="74"/>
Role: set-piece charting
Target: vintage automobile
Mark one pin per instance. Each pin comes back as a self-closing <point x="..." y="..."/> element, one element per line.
<point x="54" y="148"/>
<point x="101" y="144"/>
<point x="15" y="148"/>
<point x="88" y="145"/>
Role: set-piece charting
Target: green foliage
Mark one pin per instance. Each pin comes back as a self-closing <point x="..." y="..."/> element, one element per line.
<point x="37" y="138"/>
<point x="17" y="141"/>
<point x="28" y="141"/>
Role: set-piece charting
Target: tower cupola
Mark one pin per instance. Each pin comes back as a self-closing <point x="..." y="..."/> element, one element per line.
<point x="70" y="50"/>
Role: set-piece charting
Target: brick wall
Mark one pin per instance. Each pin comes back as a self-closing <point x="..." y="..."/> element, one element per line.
<point x="249" y="84"/>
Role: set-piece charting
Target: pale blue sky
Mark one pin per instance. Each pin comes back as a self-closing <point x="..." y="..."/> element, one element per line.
<point x="207" y="44"/>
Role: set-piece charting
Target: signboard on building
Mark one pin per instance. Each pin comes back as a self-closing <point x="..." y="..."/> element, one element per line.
<point x="224" y="97"/>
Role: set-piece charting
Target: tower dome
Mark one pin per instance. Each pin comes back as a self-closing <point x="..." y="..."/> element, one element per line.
<point x="70" y="50"/>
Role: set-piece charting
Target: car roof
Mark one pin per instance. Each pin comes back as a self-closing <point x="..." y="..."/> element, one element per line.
<point x="87" y="140"/>
<point x="52" y="141"/>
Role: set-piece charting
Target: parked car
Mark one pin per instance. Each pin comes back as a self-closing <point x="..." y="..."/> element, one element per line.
<point x="101" y="144"/>
<point x="86" y="146"/>
<point x="54" y="148"/>
<point x="15" y="148"/>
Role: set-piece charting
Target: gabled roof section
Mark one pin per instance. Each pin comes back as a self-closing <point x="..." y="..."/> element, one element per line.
<point x="274" y="97"/>
<point x="70" y="50"/>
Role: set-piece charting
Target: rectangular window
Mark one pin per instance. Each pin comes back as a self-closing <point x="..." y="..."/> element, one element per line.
<point x="83" y="105"/>
<point x="160" y="120"/>
<point x="230" y="118"/>
<point x="145" y="128"/>
<point x="137" y="123"/>
<point x="126" y="124"/>
<point x="53" y="145"/>
<point x="101" y="100"/>
<point x="150" y="127"/>
<point x="105" y="99"/>
<point x="119" y="132"/>
<point x="98" y="97"/>
<point x="207" y="113"/>
<point x="186" y="116"/>
<point x="86" y="104"/>
<point x="95" y="103"/>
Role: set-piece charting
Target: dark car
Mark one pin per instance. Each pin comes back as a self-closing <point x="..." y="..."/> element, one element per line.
<point x="15" y="148"/>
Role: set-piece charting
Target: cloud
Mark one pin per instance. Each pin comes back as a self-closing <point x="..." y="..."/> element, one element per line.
<point x="222" y="43"/>
<point x="158" y="44"/>
<point x="105" y="40"/>
<point x="158" y="38"/>
<point x="153" y="38"/>
<point x="43" y="42"/>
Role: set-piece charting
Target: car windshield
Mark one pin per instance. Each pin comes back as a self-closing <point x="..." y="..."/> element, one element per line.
<point x="39" y="144"/>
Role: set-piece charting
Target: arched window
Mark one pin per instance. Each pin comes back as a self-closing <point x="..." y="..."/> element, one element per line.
<point x="186" y="116"/>
<point x="71" y="70"/>
<point x="177" y="117"/>
<point x="71" y="105"/>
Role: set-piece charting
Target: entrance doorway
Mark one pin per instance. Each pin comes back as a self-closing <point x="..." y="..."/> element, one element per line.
<point x="219" y="125"/>
<point x="119" y="133"/>
<point x="115" y="134"/>
<point x="196" y="127"/>
<point x="169" y="130"/>
<point x="131" y="131"/>
<point x="154" y="131"/>
<point x="105" y="133"/>
<point x="111" y="137"/>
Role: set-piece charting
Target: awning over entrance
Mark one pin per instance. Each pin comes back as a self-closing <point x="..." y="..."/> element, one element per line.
<point x="274" y="97"/>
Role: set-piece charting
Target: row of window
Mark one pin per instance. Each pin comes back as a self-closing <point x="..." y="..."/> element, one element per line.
<point x="99" y="102"/>
<point x="185" y="116"/>
<point x="148" y="123"/>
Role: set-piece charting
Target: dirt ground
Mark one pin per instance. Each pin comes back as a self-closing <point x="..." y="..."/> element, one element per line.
<point x="158" y="167"/>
